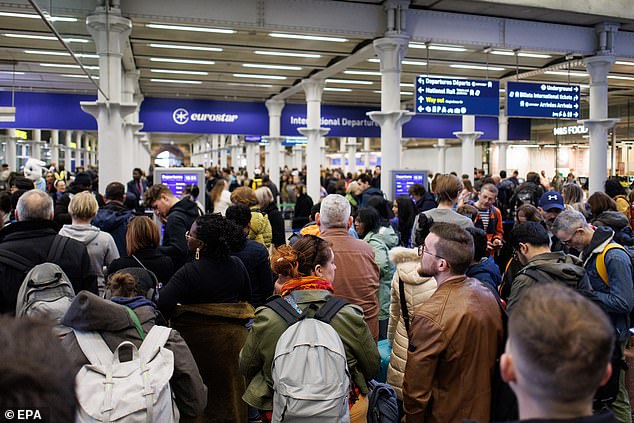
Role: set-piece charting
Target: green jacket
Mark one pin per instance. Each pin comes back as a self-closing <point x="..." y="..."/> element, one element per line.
<point x="386" y="268"/>
<point x="256" y="357"/>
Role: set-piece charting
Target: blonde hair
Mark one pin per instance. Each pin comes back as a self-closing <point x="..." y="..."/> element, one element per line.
<point x="83" y="206"/>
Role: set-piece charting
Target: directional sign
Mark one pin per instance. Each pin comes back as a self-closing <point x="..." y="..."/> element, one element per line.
<point x="542" y="100"/>
<point x="447" y="96"/>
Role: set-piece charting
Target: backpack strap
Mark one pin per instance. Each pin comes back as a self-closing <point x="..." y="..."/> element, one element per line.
<point x="94" y="347"/>
<point x="283" y="309"/>
<point x="600" y="263"/>
<point x="15" y="261"/>
<point x="404" y="310"/>
<point x="137" y="323"/>
<point x="330" y="309"/>
<point x="156" y="338"/>
<point x="57" y="249"/>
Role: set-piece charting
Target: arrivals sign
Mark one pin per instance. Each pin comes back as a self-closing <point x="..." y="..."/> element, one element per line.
<point x="452" y="96"/>
<point x="542" y="100"/>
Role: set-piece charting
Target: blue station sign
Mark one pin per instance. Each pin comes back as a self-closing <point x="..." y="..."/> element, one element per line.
<point x="542" y="100"/>
<point x="453" y="96"/>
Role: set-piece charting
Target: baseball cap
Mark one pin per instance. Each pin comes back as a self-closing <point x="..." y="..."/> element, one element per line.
<point x="551" y="200"/>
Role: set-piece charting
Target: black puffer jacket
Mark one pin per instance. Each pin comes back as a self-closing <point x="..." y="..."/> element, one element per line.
<point x="618" y="223"/>
<point x="179" y="220"/>
<point x="277" y="224"/>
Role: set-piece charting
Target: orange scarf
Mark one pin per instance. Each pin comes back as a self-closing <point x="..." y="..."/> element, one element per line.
<point x="306" y="283"/>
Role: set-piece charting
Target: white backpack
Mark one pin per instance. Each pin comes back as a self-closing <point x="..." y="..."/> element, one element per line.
<point x="311" y="381"/>
<point x="135" y="391"/>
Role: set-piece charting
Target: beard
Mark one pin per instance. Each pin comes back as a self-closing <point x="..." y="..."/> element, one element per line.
<point x="425" y="272"/>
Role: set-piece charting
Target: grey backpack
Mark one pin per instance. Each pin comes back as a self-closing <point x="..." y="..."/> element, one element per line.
<point x="311" y="381"/>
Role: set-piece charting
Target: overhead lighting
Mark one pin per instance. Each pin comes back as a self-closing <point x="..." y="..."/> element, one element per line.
<point x="256" y="76"/>
<point x="87" y="56"/>
<point x="440" y="47"/>
<point x="63" y="65"/>
<point x="287" y="54"/>
<point x="308" y="37"/>
<point x="46" y="37"/>
<point x="180" y="72"/>
<point x="240" y="84"/>
<point x="30" y="16"/>
<point x="414" y="62"/>
<point x="502" y="90"/>
<point x="265" y="66"/>
<point x="48" y="52"/>
<point x="362" y="72"/>
<point x="79" y="76"/>
<point x="191" y="28"/>
<point x="407" y="85"/>
<point x="566" y="73"/>
<point x="12" y="73"/>
<point x="176" y="81"/>
<point x="477" y="67"/>
<point x="188" y="61"/>
<point x="182" y="47"/>
<point x="343" y="90"/>
<point x="402" y="92"/>
<point x="520" y="54"/>
<point x="348" y="81"/>
<point x="620" y="62"/>
<point x="627" y="78"/>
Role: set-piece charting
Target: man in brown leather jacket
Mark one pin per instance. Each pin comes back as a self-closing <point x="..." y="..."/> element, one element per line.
<point x="455" y="336"/>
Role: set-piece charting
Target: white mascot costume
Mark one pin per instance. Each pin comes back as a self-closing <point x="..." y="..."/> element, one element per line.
<point x="33" y="171"/>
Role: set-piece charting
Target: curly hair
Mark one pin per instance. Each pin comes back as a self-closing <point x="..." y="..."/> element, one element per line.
<point x="220" y="236"/>
<point x="239" y="214"/>
<point x="244" y="195"/>
<point x="301" y="258"/>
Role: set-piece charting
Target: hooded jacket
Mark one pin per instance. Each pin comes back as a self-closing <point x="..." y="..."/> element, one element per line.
<point x="487" y="272"/>
<point x="100" y="245"/>
<point x="260" y="230"/>
<point x="426" y="202"/>
<point x="548" y="267"/>
<point x="278" y="232"/>
<point x="367" y="194"/>
<point x="617" y="298"/>
<point x="618" y="223"/>
<point x="386" y="270"/>
<point x="114" y="218"/>
<point x="93" y="314"/>
<point x="179" y="220"/>
<point x="417" y="290"/>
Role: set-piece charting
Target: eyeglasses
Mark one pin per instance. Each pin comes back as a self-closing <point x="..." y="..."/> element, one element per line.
<point x="188" y="237"/>
<point x="422" y="250"/>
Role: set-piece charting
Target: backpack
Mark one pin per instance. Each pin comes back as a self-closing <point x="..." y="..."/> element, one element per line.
<point x="382" y="403"/>
<point x="135" y="391"/>
<point x="303" y="391"/>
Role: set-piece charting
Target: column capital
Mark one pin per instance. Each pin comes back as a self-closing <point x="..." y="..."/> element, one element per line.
<point x="399" y="117"/>
<point x="109" y="32"/>
<point x="94" y="108"/>
<point x="307" y="132"/>
<point x="274" y="107"/>
<point x="598" y="123"/>
<point x="391" y="51"/>
<point x="598" y="67"/>
<point x="468" y="136"/>
<point x="313" y="89"/>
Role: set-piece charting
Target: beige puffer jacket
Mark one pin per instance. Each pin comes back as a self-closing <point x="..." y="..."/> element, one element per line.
<point x="417" y="290"/>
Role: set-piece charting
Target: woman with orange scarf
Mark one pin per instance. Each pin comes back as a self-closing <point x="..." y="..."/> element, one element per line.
<point x="308" y="269"/>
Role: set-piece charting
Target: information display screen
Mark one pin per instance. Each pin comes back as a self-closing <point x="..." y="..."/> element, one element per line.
<point x="447" y="96"/>
<point x="177" y="181"/>
<point x="403" y="179"/>
<point x="526" y="99"/>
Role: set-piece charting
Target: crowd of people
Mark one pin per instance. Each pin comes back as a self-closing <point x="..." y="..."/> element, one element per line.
<point x="475" y="298"/>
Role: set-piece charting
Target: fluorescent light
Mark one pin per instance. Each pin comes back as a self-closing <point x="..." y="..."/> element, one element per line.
<point x="407" y="85"/>
<point x="502" y="90"/>
<point x="59" y="65"/>
<point x="477" y="67"/>
<point x="362" y="72"/>
<point x="308" y="37"/>
<point x="188" y="61"/>
<point x="87" y="56"/>
<point x="521" y="54"/>
<point x="176" y="81"/>
<point x="375" y="60"/>
<point x="30" y="16"/>
<point x="256" y="76"/>
<point x="417" y="45"/>
<point x="45" y="37"/>
<point x="441" y="47"/>
<point x="79" y="76"/>
<point x="566" y="73"/>
<point x="265" y="66"/>
<point x="182" y="47"/>
<point x="347" y="81"/>
<point x="180" y="72"/>
<point x="620" y="62"/>
<point x="191" y="28"/>
<point x="627" y="78"/>
<point x="240" y="84"/>
<point x="343" y="90"/>
<point x="287" y="54"/>
<point x="414" y="62"/>
<point x="48" y="52"/>
<point x="402" y="92"/>
<point x="12" y="73"/>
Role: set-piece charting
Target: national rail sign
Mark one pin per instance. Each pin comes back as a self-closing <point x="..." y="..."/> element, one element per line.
<point x="453" y="96"/>
<point x="542" y="100"/>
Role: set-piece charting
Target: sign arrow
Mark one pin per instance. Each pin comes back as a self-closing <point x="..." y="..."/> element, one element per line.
<point x="576" y="114"/>
<point x="420" y="108"/>
<point x="420" y="89"/>
<point x="576" y="106"/>
<point x="421" y="80"/>
<point x="576" y="89"/>
<point x="575" y="98"/>
<point x="421" y="98"/>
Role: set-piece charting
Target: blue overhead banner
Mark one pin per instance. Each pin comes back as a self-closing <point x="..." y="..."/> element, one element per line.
<point x="447" y="96"/>
<point x="428" y="126"/>
<point x="49" y="111"/>
<point x="542" y="100"/>
<point x="343" y="121"/>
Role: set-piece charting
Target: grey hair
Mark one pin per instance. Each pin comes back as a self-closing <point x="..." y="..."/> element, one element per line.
<point x="334" y="212"/>
<point x="264" y="196"/>
<point x="569" y="220"/>
<point x="34" y="204"/>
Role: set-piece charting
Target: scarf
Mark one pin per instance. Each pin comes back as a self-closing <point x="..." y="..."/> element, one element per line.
<point x="306" y="283"/>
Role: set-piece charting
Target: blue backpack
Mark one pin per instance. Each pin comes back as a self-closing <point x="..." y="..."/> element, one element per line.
<point x="382" y="405"/>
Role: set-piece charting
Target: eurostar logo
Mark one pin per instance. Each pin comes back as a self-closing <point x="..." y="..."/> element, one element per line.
<point x="180" y="116"/>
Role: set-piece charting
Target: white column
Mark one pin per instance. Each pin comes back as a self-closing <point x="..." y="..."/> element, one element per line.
<point x="223" y="151"/>
<point x="11" y="156"/>
<point x="502" y="143"/>
<point x="55" y="147"/>
<point x="76" y="151"/>
<point x="342" y="154"/>
<point x="352" y="155"/>
<point x="314" y="132"/>
<point x="87" y="148"/>
<point x="235" y="152"/>
<point x="275" y="140"/>
<point x="366" y="153"/>
<point x="391" y="118"/>
<point x="468" y="135"/>
<point x="442" y="155"/>
<point x="36" y="146"/>
<point x="110" y="32"/>
<point x="598" y="67"/>
<point x="298" y="151"/>
<point x="251" y="158"/>
<point x="68" y="152"/>
<point x="215" y="140"/>
<point x="93" y="152"/>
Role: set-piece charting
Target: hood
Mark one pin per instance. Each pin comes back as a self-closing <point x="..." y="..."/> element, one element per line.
<point x="109" y="220"/>
<point x="388" y="236"/>
<point x="602" y="237"/>
<point x="185" y="206"/>
<point x="114" y="206"/>
<point x="82" y="233"/>
<point x="485" y="270"/>
<point x="373" y="191"/>
<point x="88" y="312"/>
<point x="560" y="266"/>
<point x="407" y="263"/>
<point x="613" y="219"/>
